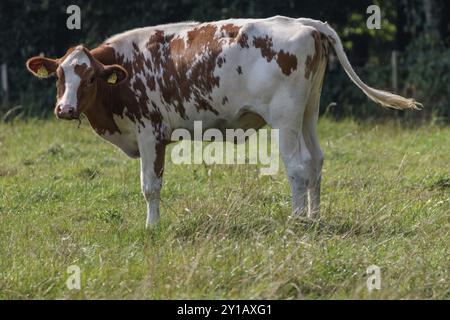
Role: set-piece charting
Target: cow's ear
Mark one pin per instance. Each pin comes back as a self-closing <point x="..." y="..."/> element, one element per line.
<point x="114" y="74"/>
<point x="42" y="67"/>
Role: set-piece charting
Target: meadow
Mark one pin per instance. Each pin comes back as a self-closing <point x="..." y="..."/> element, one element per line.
<point x="68" y="198"/>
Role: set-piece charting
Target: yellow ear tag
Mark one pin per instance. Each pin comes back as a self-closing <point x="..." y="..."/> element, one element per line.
<point x="112" y="78"/>
<point x="42" y="72"/>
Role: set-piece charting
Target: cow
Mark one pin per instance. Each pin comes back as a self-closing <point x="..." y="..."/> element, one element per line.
<point x="137" y="87"/>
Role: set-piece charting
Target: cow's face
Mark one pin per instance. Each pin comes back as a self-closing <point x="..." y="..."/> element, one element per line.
<point x="79" y="76"/>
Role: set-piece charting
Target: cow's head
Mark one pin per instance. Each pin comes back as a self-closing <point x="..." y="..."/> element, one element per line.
<point x="79" y="76"/>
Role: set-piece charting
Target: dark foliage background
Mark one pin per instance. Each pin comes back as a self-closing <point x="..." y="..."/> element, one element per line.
<point x="418" y="29"/>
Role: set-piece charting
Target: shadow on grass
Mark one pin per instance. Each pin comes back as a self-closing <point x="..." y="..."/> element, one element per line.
<point x="203" y="227"/>
<point x="440" y="183"/>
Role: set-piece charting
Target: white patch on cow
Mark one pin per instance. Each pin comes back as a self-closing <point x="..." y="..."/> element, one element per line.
<point x="72" y="80"/>
<point x="125" y="140"/>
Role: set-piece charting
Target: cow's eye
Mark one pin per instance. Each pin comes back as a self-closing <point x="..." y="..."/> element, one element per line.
<point x="91" y="80"/>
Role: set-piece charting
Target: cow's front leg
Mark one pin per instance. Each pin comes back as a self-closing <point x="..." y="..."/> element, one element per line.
<point x="152" y="150"/>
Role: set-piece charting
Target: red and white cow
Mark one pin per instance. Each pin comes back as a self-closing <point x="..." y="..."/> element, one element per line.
<point x="139" y="86"/>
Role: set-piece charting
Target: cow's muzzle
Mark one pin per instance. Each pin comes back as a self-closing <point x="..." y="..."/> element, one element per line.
<point x="66" y="112"/>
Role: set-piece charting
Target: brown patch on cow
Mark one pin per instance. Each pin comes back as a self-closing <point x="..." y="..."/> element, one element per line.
<point x="230" y="30"/>
<point x="60" y="83"/>
<point x="156" y="117"/>
<point x="234" y="35"/>
<point x="220" y="62"/>
<point x="325" y="44"/>
<point x="177" y="45"/>
<point x="158" y="165"/>
<point x="265" y="44"/>
<point x="140" y="90"/>
<point x="138" y="59"/>
<point x="239" y="69"/>
<point x="101" y="118"/>
<point x="160" y="147"/>
<point x="182" y="76"/>
<point x="80" y="70"/>
<point x="287" y="62"/>
<point x="312" y="63"/>
<point x="151" y="83"/>
<point x="242" y="39"/>
<point x="224" y="100"/>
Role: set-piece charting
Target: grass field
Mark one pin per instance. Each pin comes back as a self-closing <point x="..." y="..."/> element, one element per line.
<point x="68" y="198"/>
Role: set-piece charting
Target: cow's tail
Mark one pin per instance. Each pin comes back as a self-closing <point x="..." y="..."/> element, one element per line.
<point x="384" y="98"/>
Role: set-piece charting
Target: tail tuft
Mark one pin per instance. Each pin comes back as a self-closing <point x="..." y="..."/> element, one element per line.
<point x="390" y="100"/>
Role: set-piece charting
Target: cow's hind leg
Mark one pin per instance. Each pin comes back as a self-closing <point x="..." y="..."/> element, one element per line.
<point x="286" y="116"/>
<point x="309" y="129"/>
<point x="297" y="162"/>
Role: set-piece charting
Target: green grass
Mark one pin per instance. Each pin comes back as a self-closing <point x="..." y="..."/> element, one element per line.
<point x="68" y="198"/>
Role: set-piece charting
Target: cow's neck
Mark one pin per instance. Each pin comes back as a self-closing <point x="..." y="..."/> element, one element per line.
<point x="100" y="115"/>
<point x="113" y="128"/>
